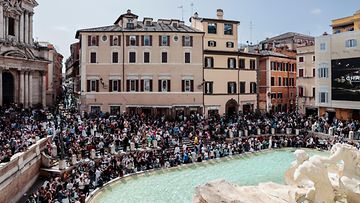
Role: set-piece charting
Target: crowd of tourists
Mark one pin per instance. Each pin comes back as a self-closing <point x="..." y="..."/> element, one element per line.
<point x="101" y="147"/>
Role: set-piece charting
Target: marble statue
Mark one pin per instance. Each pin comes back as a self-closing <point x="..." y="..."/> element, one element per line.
<point x="301" y="156"/>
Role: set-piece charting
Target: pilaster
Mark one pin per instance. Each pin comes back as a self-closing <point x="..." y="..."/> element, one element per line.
<point x="30" y="89"/>
<point x="22" y="89"/>
<point x="26" y="98"/>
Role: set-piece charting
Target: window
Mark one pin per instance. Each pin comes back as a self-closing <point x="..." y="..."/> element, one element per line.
<point x="132" y="57"/>
<point x="322" y="46"/>
<point x="273" y="95"/>
<point x="164" y="86"/>
<point x="323" y="97"/>
<point x="93" y="57"/>
<point x="313" y="72"/>
<point x="114" y="40"/>
<point x="95" y="109"/>
<point x="301" y="72"/>
<point x="146" y="57"/>
<point x="351" y="43"/>
<point x="187" y="41"/>
<point x="253" y="88"/>
<point x="92" y="85"/>
<point x="115" y="57"/>
<point x="187" y="86"/>
<point x="164" y="40"/>
<point x="252" y="64"/>
<point x="212" y="43"/>
<point x="11" y="26"/>
<point x="279" y="81"/>
<point x="323" y="72"/>
<point x="212" y="28"/>
<point x="272" y="81"/>
<point x="301" y="91"/>
<point x="273" y="65"/>
<point x="209" y="62"/>
<point x="187" y="57"/>
<point x="132" y="85"/>
<point x="242" y="87"/>
<point x="292" y="82"/>
<point x="286" y="82"/>
<point x="280" y="95"/>
<point x="114" y="110"/>
<point x="313" y="92"/>
<point x="230" y="44"/>
<point x="228" y="29"/>
<point x="114" y="86"/>
<point x="209" y="87"/>
<point x="93" y="40"/>
<point x="231" y="87"/>
<point x="130" y="24"/>
<point x="164" y="57"/>
<point x="242" y="63"/>
<point x="146" y="85"/>
<point x="133" y="41"/>
<point x="301" y="59"/>
<point x="313" y="58"/>
<point x="147" y="40"/>
<point x="231" y="63"/>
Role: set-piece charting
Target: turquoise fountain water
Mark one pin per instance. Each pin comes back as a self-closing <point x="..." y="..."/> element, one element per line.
<point x="177" y="186"/>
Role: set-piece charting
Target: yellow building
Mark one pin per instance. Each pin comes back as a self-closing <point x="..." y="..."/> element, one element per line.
<point x="230" y="77"/>
<point x="346" y="24"/>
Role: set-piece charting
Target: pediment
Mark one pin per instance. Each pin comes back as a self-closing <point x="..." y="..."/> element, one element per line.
<point x="15" y="53"/>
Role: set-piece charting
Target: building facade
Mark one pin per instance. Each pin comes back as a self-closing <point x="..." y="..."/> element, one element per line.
<point x="346" y="24"/>
<point x="338" y="79"/>
<point x="230" y="78"/>
<point x="277" y="82"/>
<point x="151" y="67"/>
<point x="289" y="41"/>
<point x="305" y="81"/>
<point x="23" y="65"/>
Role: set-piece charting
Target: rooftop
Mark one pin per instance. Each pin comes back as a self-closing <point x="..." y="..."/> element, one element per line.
<point x="286" y="36"/>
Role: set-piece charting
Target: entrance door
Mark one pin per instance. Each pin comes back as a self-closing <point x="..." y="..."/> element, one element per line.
<point x="231" y="108"/>
<point x="8" y="88"/>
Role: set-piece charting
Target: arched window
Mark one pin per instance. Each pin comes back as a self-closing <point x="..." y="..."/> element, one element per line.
<point x="115" y="41"/>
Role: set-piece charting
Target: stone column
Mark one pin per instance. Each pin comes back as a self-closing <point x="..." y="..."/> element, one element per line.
<point x="22" y="28"/>
<point x="30" y="89"/>
<point x="22" y="89"/>
<point x="2" y="25"/>
<point x="26" y="27"/>
<point x="31" y="28"/>
<point x="1" y="88"/>
<point x="26" y="98"/>
<point x="43" y="89"/>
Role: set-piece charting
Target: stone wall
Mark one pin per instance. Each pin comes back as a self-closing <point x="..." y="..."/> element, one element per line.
<point x="17" y="176"/>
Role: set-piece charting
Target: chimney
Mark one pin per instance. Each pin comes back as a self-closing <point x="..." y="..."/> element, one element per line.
<point x="128" y="11"/>
<point x="220" y="14"/>
<point x="325" y="33"/>
<point x="196" y="15"/>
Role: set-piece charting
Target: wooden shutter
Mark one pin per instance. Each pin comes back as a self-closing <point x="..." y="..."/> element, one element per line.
<point x="183" y="85"/>
<point x="212" y="62"/>
<point x="88" y="86"/>
<point x="142" y="40"/>
<point x="111" y="40"/>
<point x="229" y="89"/>
<point x="137" y="85"/>
<point x="206" y="62"/>
<point x="119" y="85"/>
<point x="169" y="85"/>
<point x="110" y="85"/>
<point x="160" y="40"/>
<point x="150" y="40"/>
<point x="137" y="40"/>
<point x="159" y="85"/>
<point x="168" y="40"/>
<point x="191" y="85"/>
<point x="142" y="85"/>
<point x="127" y="41"/>
<point x="128" y="85"/>
<point x="119" y="40"/>
<point x="183" y="41"/>
<point x="191" y="41"/>
<point x="97" y="85"/>
<point x="97" y="40"/>
<point x="89" y="40"/>
<point x="151" y="85"/>
<point x="228" y="63"/>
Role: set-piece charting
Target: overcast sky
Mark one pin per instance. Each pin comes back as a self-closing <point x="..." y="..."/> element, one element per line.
<point x="56" y="21"/>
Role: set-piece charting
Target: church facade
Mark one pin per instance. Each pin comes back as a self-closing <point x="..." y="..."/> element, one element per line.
<point x="23" y="63"/>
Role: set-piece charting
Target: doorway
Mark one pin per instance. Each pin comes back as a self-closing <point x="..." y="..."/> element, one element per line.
<point x="8" y="88"/>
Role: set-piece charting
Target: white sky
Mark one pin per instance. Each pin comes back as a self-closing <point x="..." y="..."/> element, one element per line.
<point x="56" y="21"/>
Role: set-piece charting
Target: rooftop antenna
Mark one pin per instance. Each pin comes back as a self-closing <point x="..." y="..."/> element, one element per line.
<point x="251" y="31"/>
<point x="192" y="8"/>
<point x="182" y="12"/>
